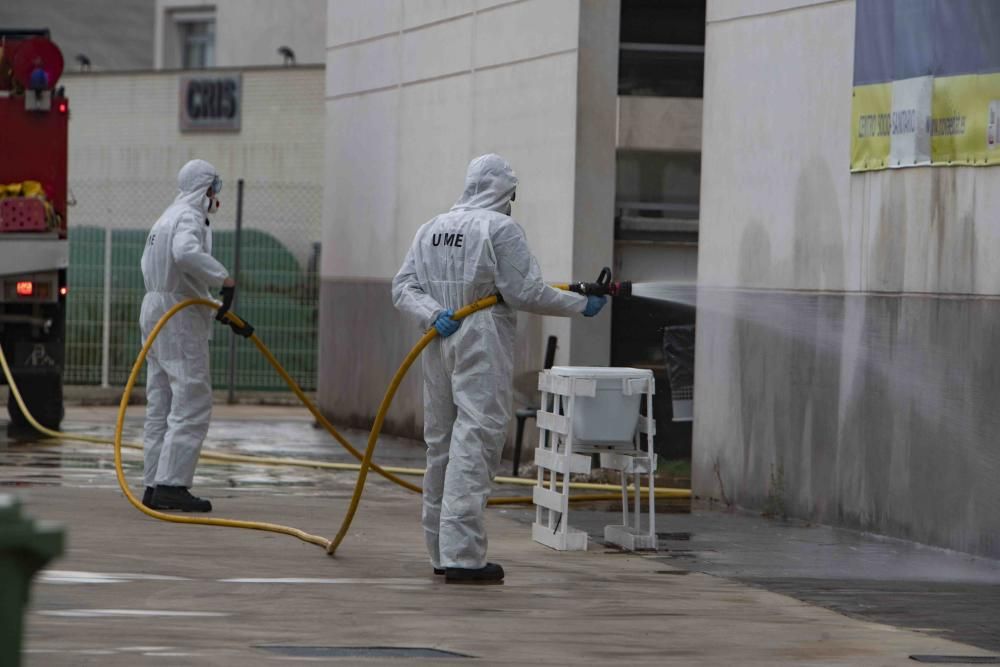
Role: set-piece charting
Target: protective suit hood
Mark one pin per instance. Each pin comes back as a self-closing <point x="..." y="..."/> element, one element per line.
<point x="489" y="184"/>
<point x="193" y="180"/>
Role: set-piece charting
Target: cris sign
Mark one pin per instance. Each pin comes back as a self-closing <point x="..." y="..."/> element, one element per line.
<point x="210" y="102"/>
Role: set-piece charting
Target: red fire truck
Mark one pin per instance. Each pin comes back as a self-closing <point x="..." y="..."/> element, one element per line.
<point x="34" y="251"/>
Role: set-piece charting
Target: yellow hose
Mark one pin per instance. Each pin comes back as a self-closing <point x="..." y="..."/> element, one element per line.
<point x="384" y="408"/>
<point x="233" y="523"/>
<point x="212" y="456"/>
<point x="389" y="473"/>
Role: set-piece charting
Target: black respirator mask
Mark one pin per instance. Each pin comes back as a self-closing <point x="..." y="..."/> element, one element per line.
<point x="513" y="196"/>
<point x="213" y="199"/>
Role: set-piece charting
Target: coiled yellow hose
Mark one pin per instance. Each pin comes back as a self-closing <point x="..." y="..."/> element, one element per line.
<point x="366" y="463"/>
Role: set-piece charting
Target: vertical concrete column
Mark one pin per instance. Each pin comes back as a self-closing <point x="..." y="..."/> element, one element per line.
<point x="594" y="197"/>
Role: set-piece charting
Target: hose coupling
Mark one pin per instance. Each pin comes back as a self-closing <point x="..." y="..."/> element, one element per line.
<point x="603" y="286"/>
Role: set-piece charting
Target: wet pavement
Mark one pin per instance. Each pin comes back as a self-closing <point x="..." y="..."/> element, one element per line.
<point x="940" y="592"/>
<point x="267" y="431"/>
<point x="131" y="589"/>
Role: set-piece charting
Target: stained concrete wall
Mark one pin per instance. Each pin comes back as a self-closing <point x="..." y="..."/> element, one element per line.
<point x="845" y="364"/>
<point x="413" y="92"/>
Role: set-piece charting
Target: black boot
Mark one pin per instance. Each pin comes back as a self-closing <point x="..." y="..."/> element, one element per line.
<point x="147" y="496"/>
<point x="178" y="498"/>
<point x="439" y="570"/>
<point x="483" y="576"/>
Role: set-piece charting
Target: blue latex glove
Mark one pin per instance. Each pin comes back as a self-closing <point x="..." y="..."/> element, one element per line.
<point x="445" y="325"/>
<point x="594" y="305"/>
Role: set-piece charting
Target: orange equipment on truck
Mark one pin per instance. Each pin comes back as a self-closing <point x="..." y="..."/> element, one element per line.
<point x="34" y="251"/>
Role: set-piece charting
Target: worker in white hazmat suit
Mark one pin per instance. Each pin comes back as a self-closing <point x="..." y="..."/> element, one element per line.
<point x="473" y="251"/>
<point x="177" y="265"/>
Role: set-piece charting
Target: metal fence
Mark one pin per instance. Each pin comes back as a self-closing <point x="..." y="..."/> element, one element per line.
<point x="277" y="292"/>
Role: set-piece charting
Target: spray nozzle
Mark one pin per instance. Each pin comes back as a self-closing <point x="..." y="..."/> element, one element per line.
<point x="603" y="286"/>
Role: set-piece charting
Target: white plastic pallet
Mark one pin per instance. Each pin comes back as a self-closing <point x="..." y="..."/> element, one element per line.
<point x="569" y="540"/>
<point x="629" y="538"/>
<point x="559" y="454"/>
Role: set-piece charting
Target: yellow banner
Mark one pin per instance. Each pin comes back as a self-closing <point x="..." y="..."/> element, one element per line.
<point x="870" y="127"/>
<point x="938" y="121"/>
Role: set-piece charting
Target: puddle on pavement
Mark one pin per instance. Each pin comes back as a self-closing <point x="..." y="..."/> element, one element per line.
<point x="26" y="485"/>
<point x="297" y="439"/>
<point x="271" y="481"/>
<point x="64" y="459"/>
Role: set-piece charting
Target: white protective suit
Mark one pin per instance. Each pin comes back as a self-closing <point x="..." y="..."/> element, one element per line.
<point x="473" y="251"/>
<point x="177" y="265"/>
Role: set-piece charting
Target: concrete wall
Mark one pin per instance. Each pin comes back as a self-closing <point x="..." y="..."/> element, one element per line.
<point x="249" y="32"/>
<point x="126" y="148"/>
<point x="414" y="91"/>
<point x="846" y="322"/>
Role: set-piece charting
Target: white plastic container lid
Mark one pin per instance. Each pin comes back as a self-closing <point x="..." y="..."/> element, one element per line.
<point x="600" y="372"/>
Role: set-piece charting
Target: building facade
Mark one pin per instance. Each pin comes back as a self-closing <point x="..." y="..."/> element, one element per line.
<point x="237" y="102"/>
<point x="99" y="36"/>
<point x="237" y="33"/>
<point x="845" y="366"/>
<point x="415" y="90"/>
<point x="127" y="143"/>
<point x="129" y="133"/>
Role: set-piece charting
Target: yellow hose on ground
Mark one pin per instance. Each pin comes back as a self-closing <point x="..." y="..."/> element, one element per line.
<point x="216" y="457"/>
<point x="253" y="525"/>
<point x="389" y="473"/>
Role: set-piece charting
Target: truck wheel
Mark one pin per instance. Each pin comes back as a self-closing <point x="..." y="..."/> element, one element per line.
<point x="43" y="395"/>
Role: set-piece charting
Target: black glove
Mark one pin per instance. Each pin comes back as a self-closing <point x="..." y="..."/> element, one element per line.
<point x="227" y="293"/>
<point x="246" y="330"/>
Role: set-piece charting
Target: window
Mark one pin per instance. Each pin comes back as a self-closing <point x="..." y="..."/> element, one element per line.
<point x="189" y="38"/>
<point x="662" y="48"/>
<point x="197" y="44"/>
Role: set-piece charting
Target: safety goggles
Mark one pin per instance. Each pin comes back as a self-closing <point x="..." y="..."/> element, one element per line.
<point x="216" y="184"/>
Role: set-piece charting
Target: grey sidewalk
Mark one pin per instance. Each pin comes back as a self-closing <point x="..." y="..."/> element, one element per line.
<point x="135" y="590"/>
<point x="939" y="592"/>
